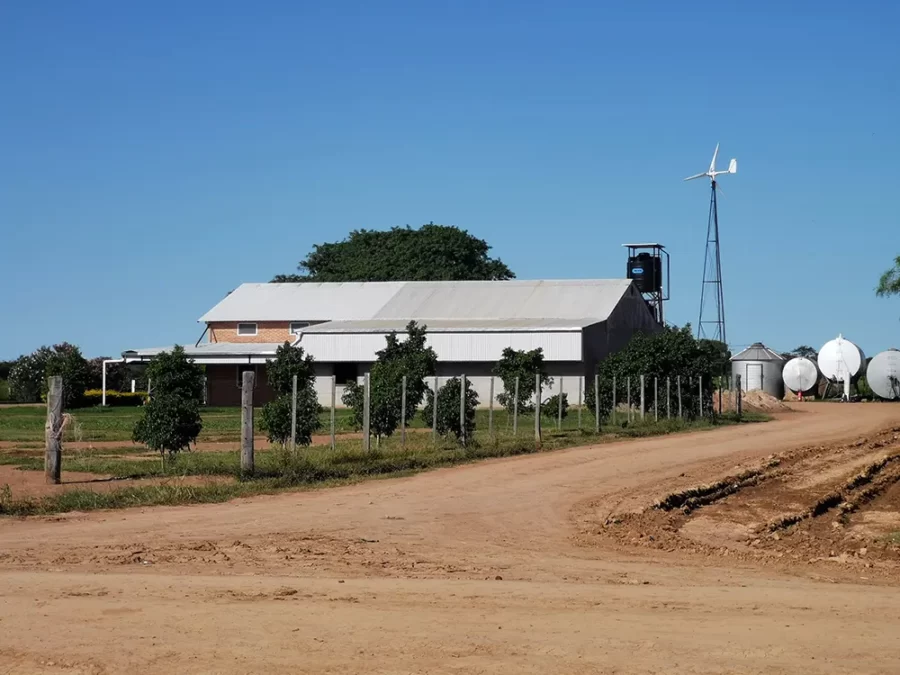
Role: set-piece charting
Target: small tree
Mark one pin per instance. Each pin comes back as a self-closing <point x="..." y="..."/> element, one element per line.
<point x="28" y="374"/>
<point x="410" y="357"/>
<point x="68" y="362"/>
<point x="550" y="407"/>
<point x="448" y="398"/>
<point x="276" y="416"/>
<point x="519" y="363"/>
<point x="171" y="419"/>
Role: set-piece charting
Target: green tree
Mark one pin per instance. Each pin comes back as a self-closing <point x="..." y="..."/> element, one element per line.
<point x="116" y="374"/>
<point x="889" y="284"/>
<point x="523" y="364"/>
<point x="28" y="375"/>
<point x="171" y="419"/>
<point x="804" y="351"/>
<point x="410" y="357"/>
<point x="276" y="415"/>
<point x="448" y="399"/>
<point x="430" y="253"/>
<point x="550" y="407"/>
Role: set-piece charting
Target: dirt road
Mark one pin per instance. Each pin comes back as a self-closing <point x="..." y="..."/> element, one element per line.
<point x="475" y="569"/>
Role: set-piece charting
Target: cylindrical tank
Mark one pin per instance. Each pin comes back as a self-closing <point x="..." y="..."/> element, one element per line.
<point x="759" y="368"/>
<point x="800" y="375"/>
<point x="841" y="360"/>
<point x="883" y="374"/>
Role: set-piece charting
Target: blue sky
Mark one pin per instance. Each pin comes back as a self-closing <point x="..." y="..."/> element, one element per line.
<point x="156" y="155"/>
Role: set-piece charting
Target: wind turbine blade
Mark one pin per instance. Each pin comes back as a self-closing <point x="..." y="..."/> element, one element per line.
<point x="712" y="164"/>
<point x="699" y="175"/>
<point x="732" y="166"/>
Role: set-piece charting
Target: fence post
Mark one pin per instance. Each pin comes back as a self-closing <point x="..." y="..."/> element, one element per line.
<point x="149" y="382"/>
<point x="537" y="410"/>
<point x="629" y="398"/>
<point x="642" y="398"/>
<point x="738" y="396"/>
<point x="53" y="431"/>
<point x="700" y="393"/>
<point x="580" y="387"/>
<point x="597" y="403"/>
<point x="559" y="396"/>
<point x="247" y="458"/>
<point x="103" y="385"/>
<point x="516" y="410"/>
<point x="403" y="412"/>
<point x="491" y="411"/>
<point x="668" y="398"/>
<point x="367" y="394"/>
<point x="434" y="411"/>
<point x="656" y="398"/>
<point x="333" y="404"/>
<point x="294" y="416"/>
<point x="612" y="413"/>
<point x="462" y="408"/>
<point x="678" y="379"/>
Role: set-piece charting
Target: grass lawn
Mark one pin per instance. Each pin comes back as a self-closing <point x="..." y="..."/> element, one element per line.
<point x="309" y="467"/>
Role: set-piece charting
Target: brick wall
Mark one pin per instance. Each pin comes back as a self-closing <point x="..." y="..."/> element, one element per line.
<point x="266" y="331"/>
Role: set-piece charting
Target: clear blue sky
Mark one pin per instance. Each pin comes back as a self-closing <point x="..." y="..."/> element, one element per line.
<point x="153" y="156"/>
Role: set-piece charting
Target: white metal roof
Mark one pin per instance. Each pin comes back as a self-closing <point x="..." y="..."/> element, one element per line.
<point x="757" y="352"/>
<point x="213" y="352"/>
<point x="581" y="300"/>
<point x="451" y="325"/>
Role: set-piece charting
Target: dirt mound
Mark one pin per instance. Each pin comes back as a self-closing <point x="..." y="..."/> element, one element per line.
<point x="753" y="400"/>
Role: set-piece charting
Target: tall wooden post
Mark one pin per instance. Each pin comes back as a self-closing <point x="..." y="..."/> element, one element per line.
<point x="738" y="395"/>
<point x="597" y="403"/>
<point x="53" y="431"/>
<point x="367" y="399"/>
<point x="462" y="408"/>
<point x="403" y="412"/>
<point x="294" y="415"/>
<point x="537" y="410"/>
<point x="516" y="409"/>
<point x="491" y="410"/>
<point x="333" y="404"/>
<point x="247" y="380"/>
<point x="559" y="396"/>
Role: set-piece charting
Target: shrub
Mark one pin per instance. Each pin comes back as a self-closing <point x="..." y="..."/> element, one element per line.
<point x="276" y="415"/>
<point x="550" y="407"/>
<point x="448" y="398"/>
<point x="28" y="375"/>
<point x="119" y="399"/>
<point x="519" y="363"/>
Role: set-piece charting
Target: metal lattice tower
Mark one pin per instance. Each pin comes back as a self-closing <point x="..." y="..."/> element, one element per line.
<point x="712" y="299"/>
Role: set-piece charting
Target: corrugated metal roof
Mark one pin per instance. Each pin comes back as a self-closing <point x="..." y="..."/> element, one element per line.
<point x="213" y="349"/>
<point x="757" y="352"/>
<point x="452" y="325"/>
<point x="580" y="300"/>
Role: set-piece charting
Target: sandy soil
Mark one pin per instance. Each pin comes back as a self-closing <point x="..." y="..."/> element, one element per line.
<point x="476" y="569"/>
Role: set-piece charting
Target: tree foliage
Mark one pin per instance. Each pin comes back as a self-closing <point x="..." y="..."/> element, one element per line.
<point x="670" y="353"/>
<point x="448" y="400"/>
<point x="28" y="375"/>
<point x="171" y="419"/>
<point x="523" y="364"/>
<point x="550" y="407"/>
<point x="430" y="253"/>
<point x="116" y="374"/>
<point x="276" y="415"/>
<point x="804" y="351"/>
<point x="889" y="284"/>
<point x="410" y="357"/>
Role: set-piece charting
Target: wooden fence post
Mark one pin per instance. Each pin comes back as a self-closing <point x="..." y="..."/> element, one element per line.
<point x="739" y="395"/>
<point x="247" y="380"/>
<point x="53" y="431"/>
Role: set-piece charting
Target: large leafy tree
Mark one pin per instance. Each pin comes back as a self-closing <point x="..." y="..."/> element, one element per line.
<point x="28" y="375"/>
<point x="518" y="363"/>
<point x="276" y="416"/>
<point x="410" y="357"/>
<point x="429" y="253"/>
<point x="889" y="284"/>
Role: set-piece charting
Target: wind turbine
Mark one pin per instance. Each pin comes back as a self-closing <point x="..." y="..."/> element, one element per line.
<point x="712" y="264"/>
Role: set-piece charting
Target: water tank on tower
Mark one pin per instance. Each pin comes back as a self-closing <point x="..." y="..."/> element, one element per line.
<point x="759" y="368"/>
<point x="801" y="375"/>
<point x="645" y="270"/>
<point x="883" y="374"/>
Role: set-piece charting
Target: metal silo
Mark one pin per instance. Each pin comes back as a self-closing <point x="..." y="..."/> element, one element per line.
<point x="759" y="368"/>
<point x="801" y="375"/>
<point x="883" y="374"/>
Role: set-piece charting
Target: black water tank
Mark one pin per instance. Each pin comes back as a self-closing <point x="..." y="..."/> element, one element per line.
<point x="646" y="272"/>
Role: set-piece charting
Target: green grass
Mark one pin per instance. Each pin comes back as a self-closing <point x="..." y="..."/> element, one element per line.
<point x="310" y="467"/>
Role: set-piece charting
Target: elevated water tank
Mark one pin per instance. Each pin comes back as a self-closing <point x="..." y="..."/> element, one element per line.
<point x="883" y="374"/>
<point x="841" y="360"/>
<point x="801" y="375"/>
<point x="759" y="368"/>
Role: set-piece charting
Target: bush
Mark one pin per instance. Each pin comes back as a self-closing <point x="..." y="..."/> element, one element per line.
<point x="448" y="398"/>
<point x="276" y="416"/>
<point x="550" y="407"/>
<point x="28" y="375"/>
<point x="118" y="399"/>
<point x="519" y="363"/>
<point x="171" y="420"/>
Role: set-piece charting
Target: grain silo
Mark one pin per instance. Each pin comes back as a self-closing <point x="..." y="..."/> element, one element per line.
<point x="883" y="374"/>
<point x="759" y="368"/>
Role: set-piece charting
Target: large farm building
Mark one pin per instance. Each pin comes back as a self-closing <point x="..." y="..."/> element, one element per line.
<point x="469" y="323"/>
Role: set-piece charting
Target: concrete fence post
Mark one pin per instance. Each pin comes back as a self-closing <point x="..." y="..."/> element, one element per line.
<point x="403" y="412"/>
<point x="700" y="394"/>
<point x="462" y="409"/>
<point x="516" y="409"/>
<point x="491" y="410"/>
<point x="656" y="399"/>
<point x="642" y="398"/>
<point x="668" y="398"/>
<point x="294" y="415"/>
<point x="333" y="406"/>
<point x="612" y="413"/>
<point x="597" y="403"/>
<point x="678" y="379"/>
<point x="537" y="410"/>
<point x="434" y="409"/>
<point x="247" y="459"/>
<point x="559" y="399"/>
<point x="629" y="398"/>
<point x="367" y="399"/>
<point x="580" y="387"/>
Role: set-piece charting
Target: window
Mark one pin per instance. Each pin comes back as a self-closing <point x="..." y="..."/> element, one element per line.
<point x="344" y="373"/>
<point x="298" y="326"/>
<point x="246" y="329"/>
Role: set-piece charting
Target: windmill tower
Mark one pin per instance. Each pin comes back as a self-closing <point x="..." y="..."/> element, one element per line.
<point x="712" y="301"/>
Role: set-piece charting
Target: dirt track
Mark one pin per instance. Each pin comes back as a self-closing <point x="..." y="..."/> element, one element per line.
<point x="475" y="569"/>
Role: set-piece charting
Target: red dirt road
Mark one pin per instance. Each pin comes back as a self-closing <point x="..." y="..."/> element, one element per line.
<point x="475" y="569"/>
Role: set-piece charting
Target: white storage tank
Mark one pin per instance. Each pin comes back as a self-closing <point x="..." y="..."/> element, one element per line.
<point x="801" y="375"/>
<point x="883" y="374"/>
<point x="759" y="368"/>
<point x="841" y="361"/>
